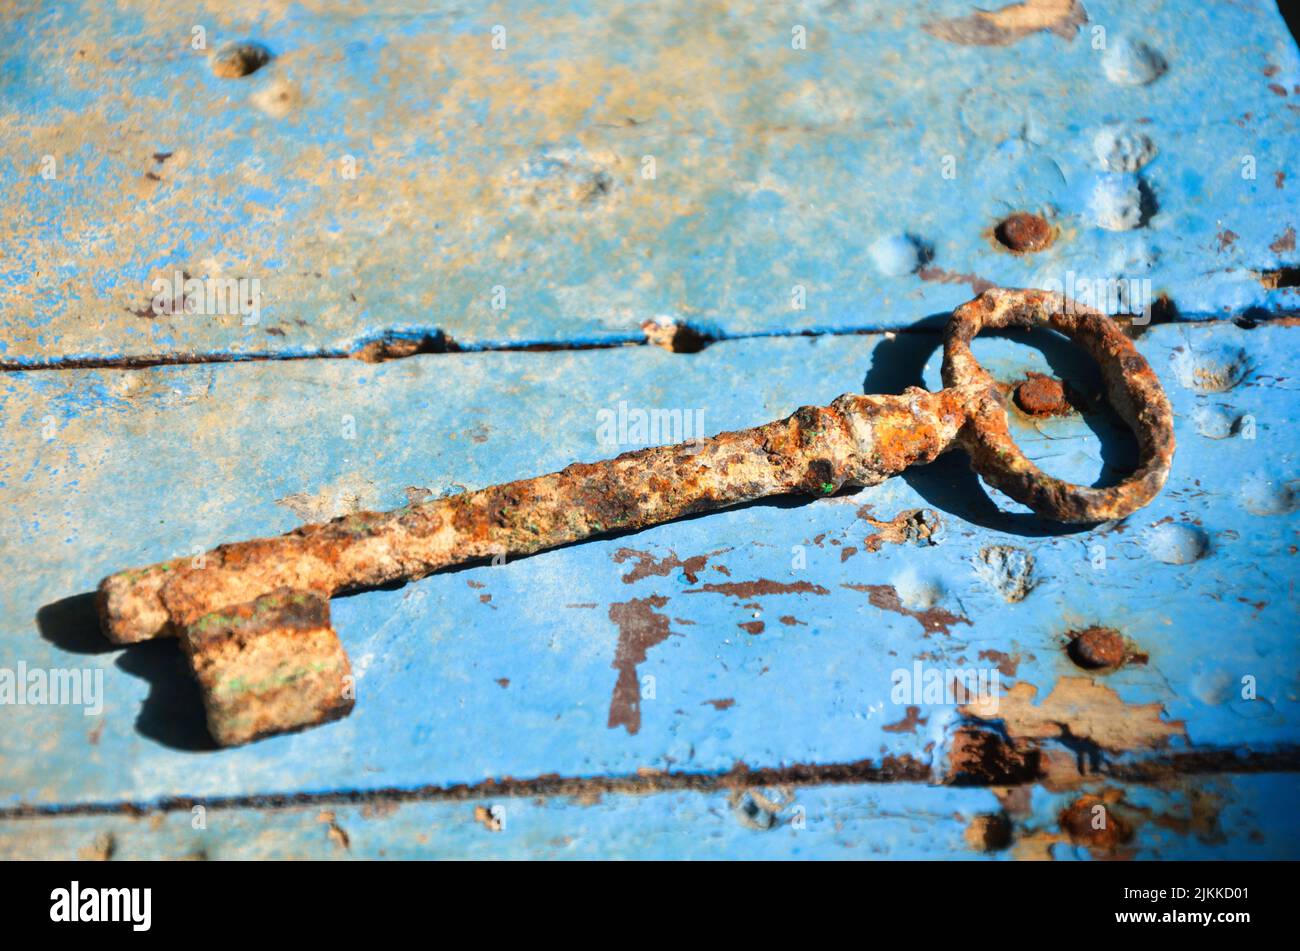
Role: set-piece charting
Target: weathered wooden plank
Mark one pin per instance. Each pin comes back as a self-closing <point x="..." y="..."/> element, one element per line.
<point x="389" y="173"/>
<point x="1215" y="818"/>
<point x="768" y="635"/>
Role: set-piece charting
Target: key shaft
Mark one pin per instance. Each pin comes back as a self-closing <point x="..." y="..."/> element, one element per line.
<point x="855" y="441"/>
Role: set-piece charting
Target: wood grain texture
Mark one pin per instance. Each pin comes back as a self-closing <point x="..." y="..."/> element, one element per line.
<point x="387" y="171"/>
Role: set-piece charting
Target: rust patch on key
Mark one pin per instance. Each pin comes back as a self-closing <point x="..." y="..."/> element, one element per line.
<point x="269" y="665"/>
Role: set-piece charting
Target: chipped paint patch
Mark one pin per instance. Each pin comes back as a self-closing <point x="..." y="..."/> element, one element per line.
<point x="886" y="597"/>
<point x="647" y="565"/>
<point x="760" y="588"/>
<point x="1077" y="707"/>
<point x="640" y="627"/>
<point x="917" y="526"/>
<point x="348" y="494"/>
<point x="1011" y="23"/>
<point x="911" y="720"/>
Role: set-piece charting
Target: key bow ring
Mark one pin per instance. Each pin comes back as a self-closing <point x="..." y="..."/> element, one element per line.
<point x="1132" y="388"/>
<point x="253" y="617"/>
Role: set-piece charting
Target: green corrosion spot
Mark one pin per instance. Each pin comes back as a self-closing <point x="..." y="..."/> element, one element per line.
<point x="216" y="620"/>
<point x="238" y="685"/>
<point x="828" y="487"/>
<point x="234" y="685"/>
<point x="356" y="525"/>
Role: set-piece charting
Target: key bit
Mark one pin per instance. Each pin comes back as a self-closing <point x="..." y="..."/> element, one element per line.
<point x="253" y="617"/>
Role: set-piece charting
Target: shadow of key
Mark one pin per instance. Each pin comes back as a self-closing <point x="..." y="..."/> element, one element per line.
<point x="172" y="714"/>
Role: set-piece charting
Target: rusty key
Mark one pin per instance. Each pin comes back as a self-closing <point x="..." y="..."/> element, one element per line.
<point x="253" y="617"/>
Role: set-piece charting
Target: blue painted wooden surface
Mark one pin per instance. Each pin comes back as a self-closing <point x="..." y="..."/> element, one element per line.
<point x="771" y="634"/>
<point x="508" y="671"/>
<point x="524" y="168"/>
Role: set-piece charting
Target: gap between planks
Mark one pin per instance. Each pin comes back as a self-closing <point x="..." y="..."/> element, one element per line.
<point x="437" y="342"/>
<point x="904" y="769"/>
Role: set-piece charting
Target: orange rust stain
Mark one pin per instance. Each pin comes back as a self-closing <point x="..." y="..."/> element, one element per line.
<point x="648" y="566"/>
<point x="1042" y="395"/>
<point x="885" y="597"/>
<point x="909" y="525"/>
<point x="911" y="720"/>
<point x="1093" y="822"/>
<point x="640" y="627"/>
<point x="1023" y="233"/>
<point x="978" y="285"/>
<point x="1284" y="242"/>
<point x="763" y="586"/>
<point x="1007" y="664"/>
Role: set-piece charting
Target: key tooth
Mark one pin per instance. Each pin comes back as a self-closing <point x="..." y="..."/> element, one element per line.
<point x="269" y="666"/>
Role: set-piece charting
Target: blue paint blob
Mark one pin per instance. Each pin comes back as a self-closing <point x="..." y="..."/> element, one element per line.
<point x="1213" y="369"/>
<point x="1177" y="544"/>
<point x="898" y="254"/>
<point x="1130" y="62"/>
<point x="1120" y="148"/>
<point x="1116" y="202"/>
<point x="1215" y="421"/>
<point x="1262" y="494"/>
